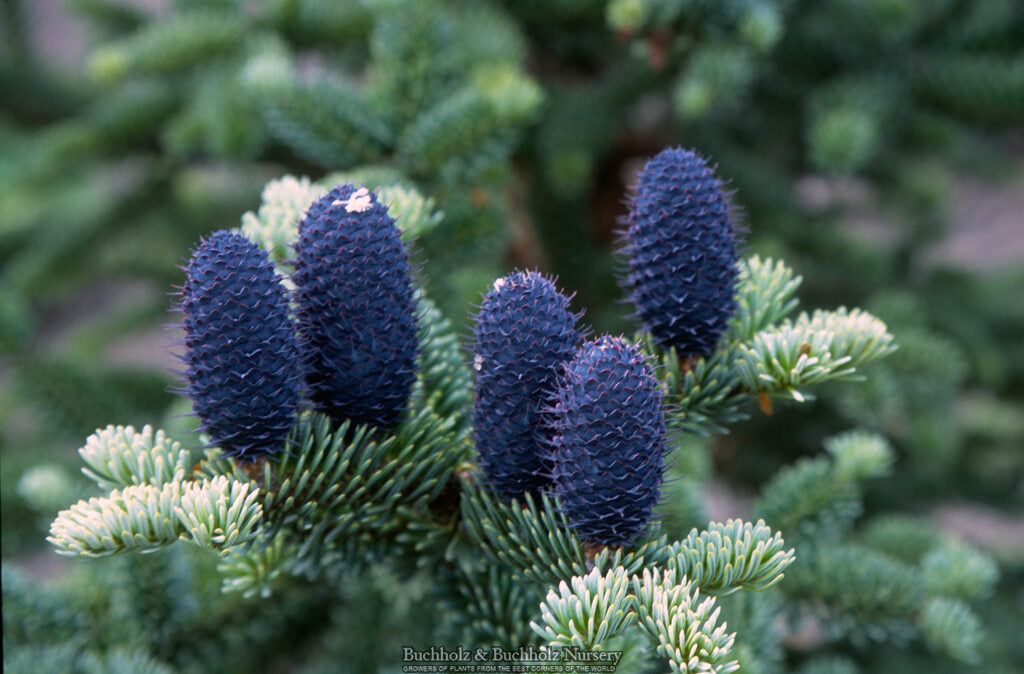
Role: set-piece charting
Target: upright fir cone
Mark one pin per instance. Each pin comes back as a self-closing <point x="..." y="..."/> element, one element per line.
<point x="356" y="309"/>
<point x="609" y="442"/>
<point x="682" y="252"/>
<point x="524" y="333"/>
<point x="240" y="347"/>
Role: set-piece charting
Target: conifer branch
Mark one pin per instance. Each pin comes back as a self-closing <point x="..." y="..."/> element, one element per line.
<point x="587" y="611"/>
<point x="701" y="397"/>
<point x="342" y="487"/>
<point x="959" y="571"/>
<point x="533" y="539"/>
<point x="683" y="628"/>
<point x="325" y="122"/>
<point x="489" y="607"/>
<point x="764" y="296"/>
<point x="817" y="494"/>
<point x="862" y="583"/>
<point x="276" y="224"/>
<point x="950" y="626"/>
<point x="825" y="346"/>
<point x="808" y="495"/>
<point x="254" y="571"/>
<point x="728" y="557"/>
<point x="215" y="514"/>
<point x="174" y="45"/>
<point x="120" y="456"/>
<point x="859" y="456"/>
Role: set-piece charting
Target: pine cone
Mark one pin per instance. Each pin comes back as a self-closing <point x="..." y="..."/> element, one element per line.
<point x="609" y="442"/>
<point x="240" y="347"/>
<point x="682" y="253"/>
<point x="356" y="309"/>
<point x="524" y="333"/>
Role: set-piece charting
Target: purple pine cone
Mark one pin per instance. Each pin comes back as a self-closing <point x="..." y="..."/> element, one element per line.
<point x="524" y="333"/>
<point x="240" y="347"/>
<point x="682" y="252"/>
<point x="356" y="309"/>
<point x="609" y="442"/>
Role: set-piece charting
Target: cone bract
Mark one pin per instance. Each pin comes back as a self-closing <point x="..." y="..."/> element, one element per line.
<point x="609" y="442"/>
<point x="356" y="309"/>
<point x="524" y="333"/>
<point x="681" y="246"/>
<point x="240" y="347"/>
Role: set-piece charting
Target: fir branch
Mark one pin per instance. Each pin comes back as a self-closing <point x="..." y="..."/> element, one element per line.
<point x="535" y="542"/>
<point x="445" y="383"/>
<point x="826" y="346"/>
<point x="171" y="45"/>
<point x="120" y="456"/>
<point x="764" y="296"/>
<point x="219" y="514"/>
<point x="808" y="495"/>
<point x="682" y="627"/>
<point x="533" y="539"/>
<point x="959" y="571"/>
<point x="414" y="214"/>
<point x="950" y="626"/>
<point x="424" y="536"/>
<point x="731" y="556"/>
<point x="489" y="608"/>
<point x="902" y="537"/>
<point x="36" y="614"/>
<point x="702" y="397"/>
<point x="857" y="581"/>
<point x="343" y="493"/>
<point x="859" y="455"/>
<point x="255" y="571"/>
<point x="856" y="334"/>
<point x="139" y="517"/>
<point x="442" y="133"/>
<point x="303" y="483"/>
<point x="412" y="59"/>
<point x="512" y="95"/>
<point x="588" y="611"/>
<point x="275" y="225"/>
<point x="215" y="514"/>
<point x="128" y="116"/>
<point x="325" y="122"/>
<point x="757" y="618"/>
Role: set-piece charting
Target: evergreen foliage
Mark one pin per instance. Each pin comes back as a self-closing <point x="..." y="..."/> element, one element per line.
<point x="500" y="135"/>
<point x="347" y="497"/>
<point x="120" y="456"/>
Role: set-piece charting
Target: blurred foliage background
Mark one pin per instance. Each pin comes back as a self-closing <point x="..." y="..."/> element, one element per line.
<point x="875" y="145"/>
